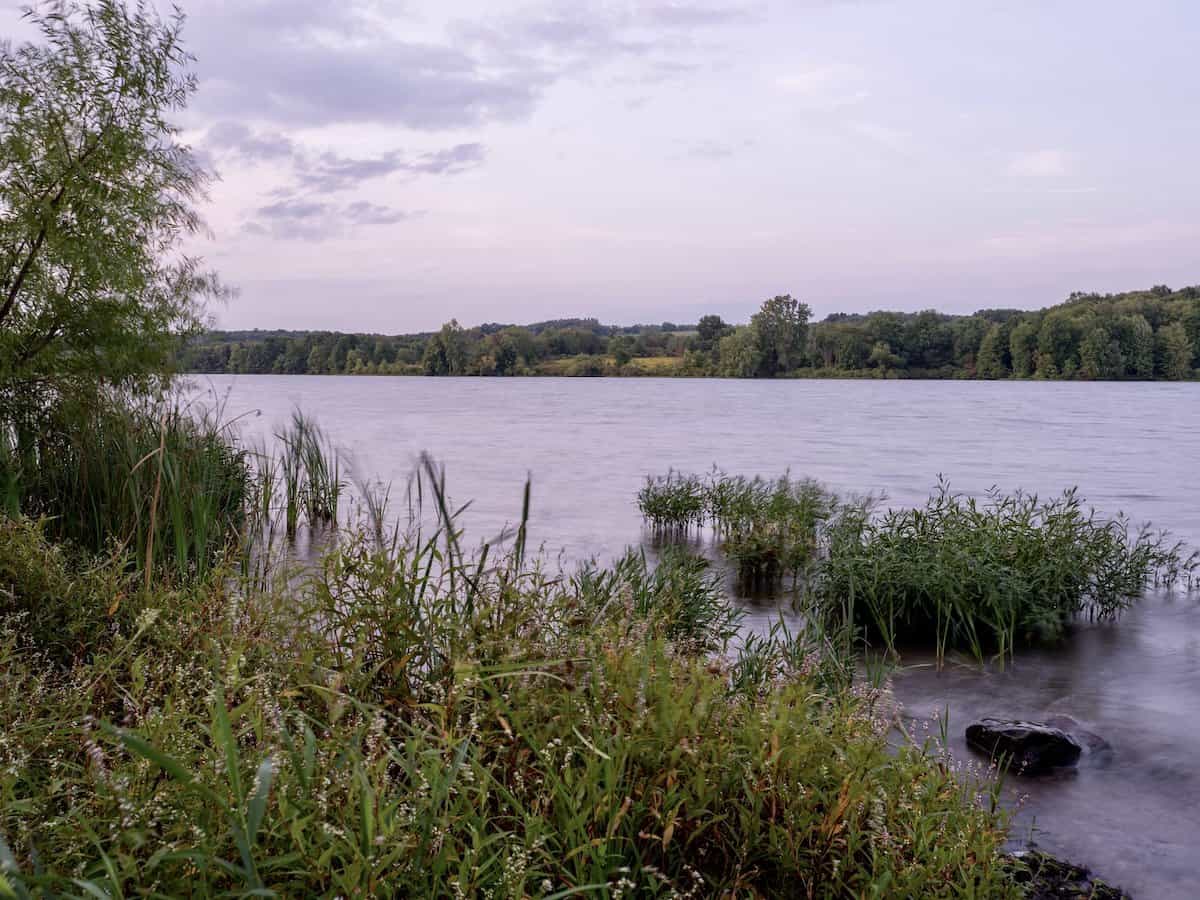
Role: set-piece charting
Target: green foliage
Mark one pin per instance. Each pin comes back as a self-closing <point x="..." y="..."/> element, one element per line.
<point x="1100" y="355"/>
<point x="986" y="576"/>
<point x="882" y="357"/>
<point x="989" y="362"/>
<point x="308" y="471"/>
<point x="1174" y="352"/>
<point x="673" y="502"/>
<point x="157" y="482"/>
<point x="64" y="603"/>
<point x="445" y="352"/>
<point x="1023" y="348"/>
<point x="740" y="353"/>
<point x="411" y="722"/>
<point x="1078" y="343"/>
<point x="956" y="573"/>
<point x="96" y="196"/>
<point x="768" y="529"/>
<point x="781" y="327"/>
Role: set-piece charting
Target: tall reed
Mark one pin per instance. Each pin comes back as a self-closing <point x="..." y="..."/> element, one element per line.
<point x="422" y="720"/>
<point x="159" y="481"/>
<point x="985" y="576"/>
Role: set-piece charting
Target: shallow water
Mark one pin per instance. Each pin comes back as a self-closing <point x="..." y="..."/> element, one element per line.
<point x="588" y="444"/>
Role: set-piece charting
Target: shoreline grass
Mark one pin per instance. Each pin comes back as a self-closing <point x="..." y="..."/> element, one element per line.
<point x="409" y="719"/>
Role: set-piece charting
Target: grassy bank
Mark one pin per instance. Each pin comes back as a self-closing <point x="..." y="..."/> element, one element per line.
<point x="406" y="718"/>
<point x="158" y="483"/>
<point x="493" y="730"/>
<point x="409" y="719"/>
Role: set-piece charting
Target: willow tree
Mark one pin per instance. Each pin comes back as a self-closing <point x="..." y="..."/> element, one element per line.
<point x="97" y="200"/>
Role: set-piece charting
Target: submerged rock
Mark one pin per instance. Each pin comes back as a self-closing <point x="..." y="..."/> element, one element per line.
<point x="1047" y="878"/>
<point x="1029" y="748"/>
<point x="1098" y="751"/>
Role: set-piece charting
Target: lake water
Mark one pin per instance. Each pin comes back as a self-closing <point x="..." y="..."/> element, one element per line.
<point x="588" y="445"/>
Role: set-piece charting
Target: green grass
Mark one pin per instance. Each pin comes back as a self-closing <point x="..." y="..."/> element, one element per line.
<point x="673" y="503"/>
<point x="158" y="483"/>
<point x="957" y="574"/>
<point x="769" y="529"/>
<point x="988" y="576"/>
<point x="308" y="471"/>
<point x="411" y="720"/>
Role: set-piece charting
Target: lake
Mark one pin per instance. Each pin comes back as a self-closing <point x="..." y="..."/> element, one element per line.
<point x="588" y="445"/>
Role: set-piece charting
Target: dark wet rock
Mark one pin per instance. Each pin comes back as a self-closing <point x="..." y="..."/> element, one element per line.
<point x="1095" y="748"/>
<point x="1028" y="748"/>
<point x="1047" y="878"/>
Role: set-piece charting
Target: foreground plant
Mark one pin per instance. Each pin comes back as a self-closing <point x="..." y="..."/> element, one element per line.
<point x="411" y="720"/>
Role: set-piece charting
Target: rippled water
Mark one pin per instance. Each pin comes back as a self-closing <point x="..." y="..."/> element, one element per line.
<point x="589" y="443"/>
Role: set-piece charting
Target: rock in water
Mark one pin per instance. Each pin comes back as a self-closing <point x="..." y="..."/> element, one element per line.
<point x="1030" y="748"/>
<point x="1046" y="878"/>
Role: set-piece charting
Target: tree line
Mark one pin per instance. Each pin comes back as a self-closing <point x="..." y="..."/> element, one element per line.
<point x="1140" y="335"/>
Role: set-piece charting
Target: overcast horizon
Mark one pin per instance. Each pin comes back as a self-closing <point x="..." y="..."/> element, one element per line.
<point x="387" y="166"/>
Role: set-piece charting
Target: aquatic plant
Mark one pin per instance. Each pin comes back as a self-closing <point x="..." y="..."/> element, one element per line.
<point x="769" y="529"/>
<point x="985" y="575"/>
<point x="673" y="503"/>
<point x="311" y="472"/>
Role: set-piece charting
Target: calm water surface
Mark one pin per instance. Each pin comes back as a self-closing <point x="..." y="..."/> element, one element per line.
<point x="589" y="444"/>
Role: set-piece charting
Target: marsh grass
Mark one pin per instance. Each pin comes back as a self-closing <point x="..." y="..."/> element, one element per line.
<point x="979" y="575"/>
<point x="673" y="504"/>
<point x="158" y="483"/>
<point x="415" y="720"/>
<point x="768" y="529"/>
<point x="310" y="470"/>
<point x="989" y="575"/>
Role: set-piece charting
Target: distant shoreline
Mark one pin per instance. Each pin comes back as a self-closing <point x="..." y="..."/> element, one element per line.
<point x="1151" y="335"/>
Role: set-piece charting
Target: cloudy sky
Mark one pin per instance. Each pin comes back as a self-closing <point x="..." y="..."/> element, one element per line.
<point x="387" y="164"/>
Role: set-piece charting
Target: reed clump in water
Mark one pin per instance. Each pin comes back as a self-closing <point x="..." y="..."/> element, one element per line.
<point x="673" y="504"/>
<point x="989" y="575"/>
<point x="310" y="472"/>
<point x="982" y="576"/>
<point x="768" y="529"/>
<point x="411" y="719"/>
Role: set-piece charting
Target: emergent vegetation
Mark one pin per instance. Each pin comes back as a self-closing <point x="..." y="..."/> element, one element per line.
<point x="957" y="574"/>
<point x="768" y="529"/>
<point x="1141" y="335"/>
<point x="413" y="721"/>
<point x="983" y="576"/>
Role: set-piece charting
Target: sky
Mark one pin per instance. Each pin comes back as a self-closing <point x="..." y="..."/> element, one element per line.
<point x="385" y="165"/>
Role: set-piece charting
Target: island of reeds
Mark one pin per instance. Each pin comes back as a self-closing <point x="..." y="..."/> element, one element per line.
<point x="189" y="707"/>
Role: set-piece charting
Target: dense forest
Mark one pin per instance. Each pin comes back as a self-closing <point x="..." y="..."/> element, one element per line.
<point x="1153" y="334"/>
